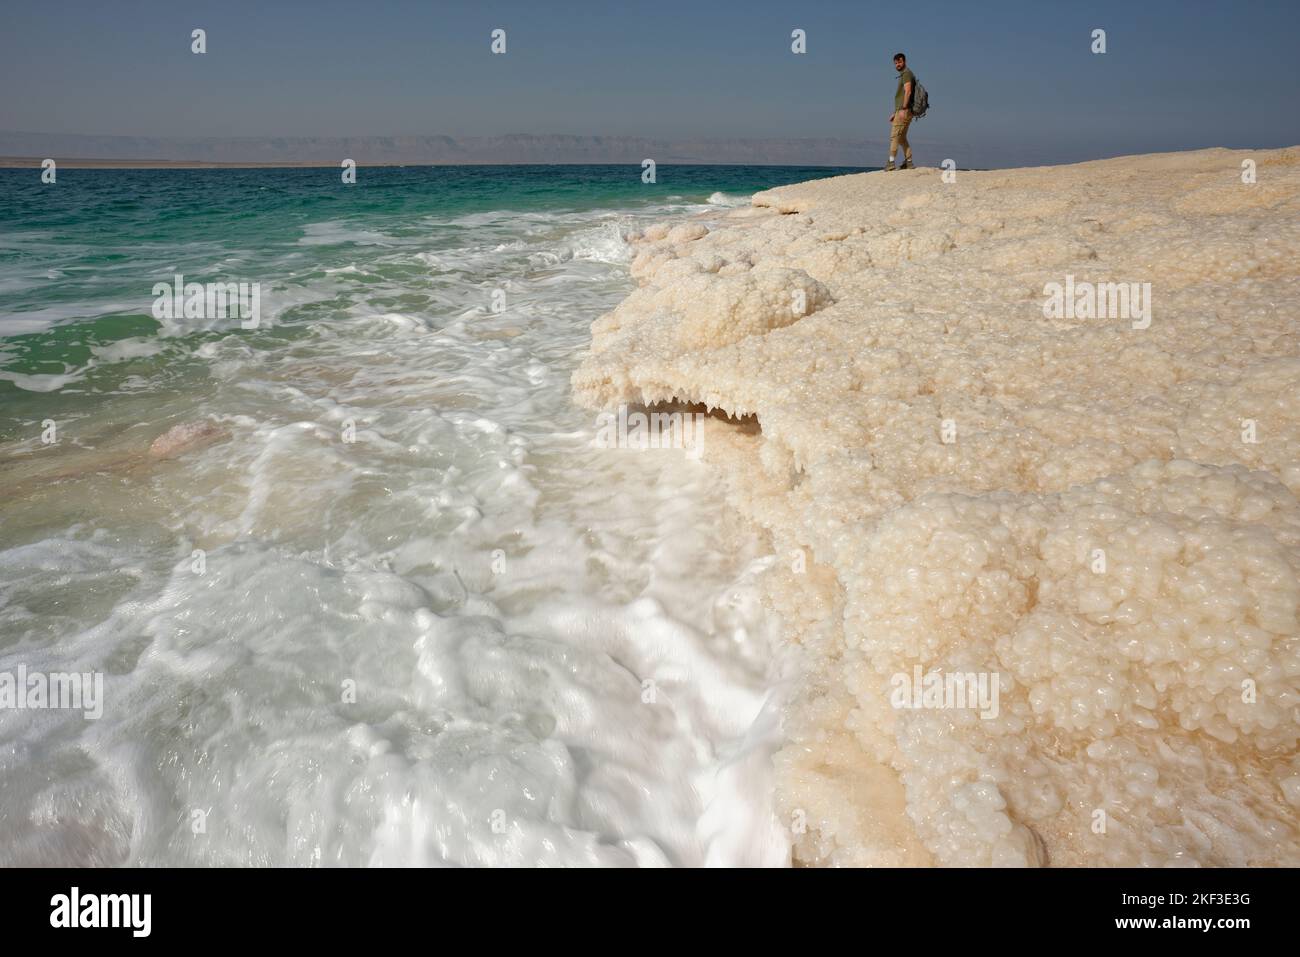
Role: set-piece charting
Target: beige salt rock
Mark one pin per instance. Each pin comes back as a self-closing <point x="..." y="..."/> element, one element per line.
<point x="1100" y="512"/>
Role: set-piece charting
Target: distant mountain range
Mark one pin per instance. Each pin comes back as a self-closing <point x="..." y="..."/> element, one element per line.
<point x="415" y="150"/>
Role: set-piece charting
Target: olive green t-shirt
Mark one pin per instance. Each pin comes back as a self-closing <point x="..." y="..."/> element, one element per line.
<point x="903" y="79"/>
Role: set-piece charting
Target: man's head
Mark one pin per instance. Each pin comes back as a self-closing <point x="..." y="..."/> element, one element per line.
<point x="900" y="62"/>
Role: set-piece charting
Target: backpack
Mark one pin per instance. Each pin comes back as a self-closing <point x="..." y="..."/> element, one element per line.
<point x="920" y="101"/>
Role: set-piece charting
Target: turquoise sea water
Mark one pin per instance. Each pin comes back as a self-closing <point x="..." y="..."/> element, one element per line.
<point x="78" y="257"/>
<point x="359" y="585"/>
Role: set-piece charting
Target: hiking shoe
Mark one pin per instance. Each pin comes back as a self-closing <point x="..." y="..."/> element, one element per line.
<point x="889" y="169"/>
<point x="908" y="166"/>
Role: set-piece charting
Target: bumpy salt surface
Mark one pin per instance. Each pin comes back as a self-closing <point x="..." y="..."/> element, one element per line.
<point x="1099" y="512"/>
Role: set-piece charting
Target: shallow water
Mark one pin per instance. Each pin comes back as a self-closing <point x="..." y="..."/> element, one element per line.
<point x="375" y="596"/>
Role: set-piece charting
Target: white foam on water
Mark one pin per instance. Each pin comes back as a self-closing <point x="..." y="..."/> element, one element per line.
<point x="38" y="320"/>
<point x="137" y="347"/>
<point x="340" y="233"/>
<point x="605" y="243"/>
<point x="45" y="381"/>
<point x="392" y="605"/>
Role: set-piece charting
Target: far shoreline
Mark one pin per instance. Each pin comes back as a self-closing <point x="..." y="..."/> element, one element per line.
<point x="34" y="162"/>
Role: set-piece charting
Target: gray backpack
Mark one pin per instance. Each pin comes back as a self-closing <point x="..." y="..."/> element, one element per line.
<point x="920" y="101"/>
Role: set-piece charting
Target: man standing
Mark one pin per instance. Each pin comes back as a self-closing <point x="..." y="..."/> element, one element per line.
<point x="901" y="118"/>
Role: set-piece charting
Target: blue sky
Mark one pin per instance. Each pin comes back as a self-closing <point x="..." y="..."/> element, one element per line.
<point x="1013" y="76"/>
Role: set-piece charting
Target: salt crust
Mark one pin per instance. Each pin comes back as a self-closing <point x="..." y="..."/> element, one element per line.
<point x="1127" y="732"/>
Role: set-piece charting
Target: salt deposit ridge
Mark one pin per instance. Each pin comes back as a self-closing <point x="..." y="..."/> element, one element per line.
<point x="1100" y="513"/>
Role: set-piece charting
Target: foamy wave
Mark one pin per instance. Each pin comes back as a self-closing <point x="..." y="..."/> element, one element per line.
<point x="47" y="381"/>
<point x="122" y="350"/>
<point x="397" y="498"/>
<point x="606" y="243"/>
<point x="334" y="233"/>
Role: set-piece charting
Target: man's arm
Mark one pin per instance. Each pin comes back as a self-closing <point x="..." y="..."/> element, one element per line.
<point x="907" y="102"/>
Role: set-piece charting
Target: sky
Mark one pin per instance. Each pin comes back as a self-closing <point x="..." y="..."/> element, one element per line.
<point x="1009" y="77"/>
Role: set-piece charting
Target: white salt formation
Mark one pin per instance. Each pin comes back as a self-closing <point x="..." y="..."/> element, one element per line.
<point x="1099" y="512"/>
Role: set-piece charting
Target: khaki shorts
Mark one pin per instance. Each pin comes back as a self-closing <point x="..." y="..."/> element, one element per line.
<point x="898" y="137"/>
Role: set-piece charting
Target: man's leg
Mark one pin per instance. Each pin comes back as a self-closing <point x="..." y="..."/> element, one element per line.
<point x="895" y="132"/>
<point x="902" y="139"/>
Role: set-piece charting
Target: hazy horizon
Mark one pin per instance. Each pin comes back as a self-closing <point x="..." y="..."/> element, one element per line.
<point x="509" y="149"/>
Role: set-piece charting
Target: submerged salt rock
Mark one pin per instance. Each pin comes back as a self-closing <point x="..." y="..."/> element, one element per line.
<point x="1099" y="511"/>
<point x="186" y="437"/>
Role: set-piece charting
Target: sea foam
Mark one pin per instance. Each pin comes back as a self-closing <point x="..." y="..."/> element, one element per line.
<point x="364" y="591"/>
